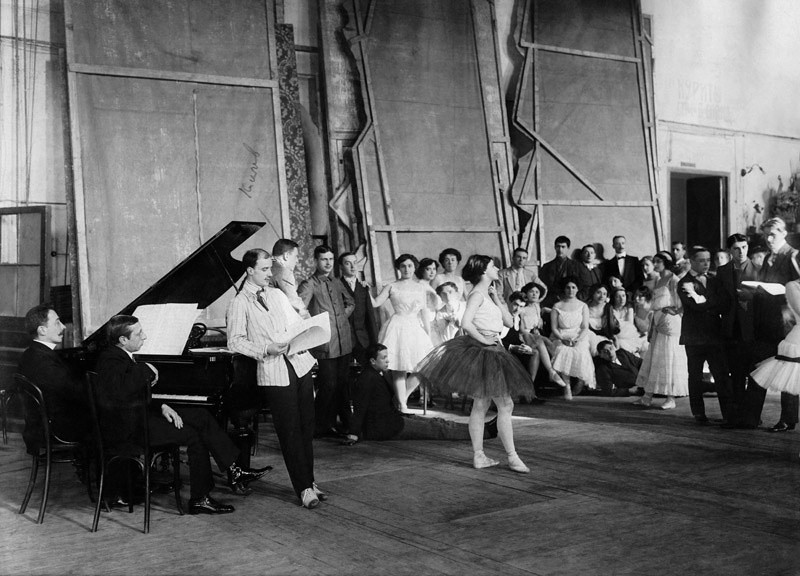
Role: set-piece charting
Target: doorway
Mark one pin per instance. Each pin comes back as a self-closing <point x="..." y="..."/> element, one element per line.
<point x="699" y="209"/>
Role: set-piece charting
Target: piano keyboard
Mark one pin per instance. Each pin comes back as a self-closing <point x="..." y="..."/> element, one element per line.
<point x="190" y="398"/>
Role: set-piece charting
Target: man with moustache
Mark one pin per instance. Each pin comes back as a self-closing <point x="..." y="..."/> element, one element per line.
<point x="625" y="267"/>
<point x="62" y="389"/>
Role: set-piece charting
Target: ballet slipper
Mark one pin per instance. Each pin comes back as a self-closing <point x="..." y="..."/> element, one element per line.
<point x="516" y="464"/>
<point x="643" y="401"/>
<point x="481" y="460"/>
<point x="556" y="379"/>
<point x="668" y="405"/>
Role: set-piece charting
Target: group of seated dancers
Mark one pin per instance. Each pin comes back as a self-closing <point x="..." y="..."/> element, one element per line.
<point x="612" y="327"/>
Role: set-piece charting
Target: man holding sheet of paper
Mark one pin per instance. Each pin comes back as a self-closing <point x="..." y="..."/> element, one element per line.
<point x="258" y="321"/>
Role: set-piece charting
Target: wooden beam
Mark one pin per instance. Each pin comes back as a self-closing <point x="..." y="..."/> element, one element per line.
<point x="431" y="228"/>
<point x="584" y="53"/>
<point x="122" y="71"/>
<point x="597" y="203"/>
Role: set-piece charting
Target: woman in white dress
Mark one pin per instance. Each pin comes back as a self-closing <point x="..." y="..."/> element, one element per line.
<point x="406" y="333"/>
<point x="781" y="373"/>
<point x="569" y="321"/>
<point x="598" y="297"/>
<point x="664" y="369"/>
<point x="619" y="323"/>
<point x="426" y="273"/>
<point x="450" y="258"/>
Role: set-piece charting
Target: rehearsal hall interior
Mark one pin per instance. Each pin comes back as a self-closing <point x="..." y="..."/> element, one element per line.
<point x="429" y="287"/>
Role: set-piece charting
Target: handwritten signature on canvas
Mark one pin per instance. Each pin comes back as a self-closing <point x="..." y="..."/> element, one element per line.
<point x="247" y="187"/>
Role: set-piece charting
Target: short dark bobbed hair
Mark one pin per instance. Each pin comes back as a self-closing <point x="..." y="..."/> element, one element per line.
<point x="475" y="268"/>
<point x="423" y="264"/>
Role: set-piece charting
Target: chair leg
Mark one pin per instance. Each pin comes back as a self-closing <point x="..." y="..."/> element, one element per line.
<point x="176" y="479"/>
<point x="31" y="484"/>
<point x="99" y="498"/>
<point x="46" y="492"/>
<point x="148" y="465"/>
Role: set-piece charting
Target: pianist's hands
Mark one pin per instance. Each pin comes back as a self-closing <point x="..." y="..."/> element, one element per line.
<point x="171" y="416"/>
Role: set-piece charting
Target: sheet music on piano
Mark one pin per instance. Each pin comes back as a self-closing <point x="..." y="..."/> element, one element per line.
<point x="167" y="327"/>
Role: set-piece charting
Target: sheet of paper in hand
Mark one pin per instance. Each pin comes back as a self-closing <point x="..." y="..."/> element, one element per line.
<point x="769" y="287"/>
<point x="307" y="334"/>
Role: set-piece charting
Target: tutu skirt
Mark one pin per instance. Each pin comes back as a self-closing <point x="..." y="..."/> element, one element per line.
<point x="470" y="368"/>
<point x="780" y="375"/>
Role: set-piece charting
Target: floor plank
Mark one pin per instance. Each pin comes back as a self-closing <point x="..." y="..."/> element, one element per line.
<point x="613" y="490"/>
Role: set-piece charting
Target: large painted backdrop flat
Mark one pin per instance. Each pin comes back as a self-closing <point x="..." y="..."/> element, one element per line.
<point x="179" y="133"/>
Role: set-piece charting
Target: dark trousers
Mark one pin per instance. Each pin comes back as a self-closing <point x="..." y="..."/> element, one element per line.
<point x="755" y="394"/>
<point x="333" y="393"/>
<point x="202" y="436"/>
<point x="696" y="355"/>
<point x="292" y="410"/>
<point x="740" y="363"/>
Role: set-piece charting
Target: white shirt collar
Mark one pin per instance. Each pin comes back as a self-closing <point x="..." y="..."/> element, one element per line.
<point x="48" y="344"/>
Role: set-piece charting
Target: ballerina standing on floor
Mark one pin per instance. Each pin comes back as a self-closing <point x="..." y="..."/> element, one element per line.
<point x="478" y="365"/>
<point x="406" y="333"/>
<point x="664" y="368"/>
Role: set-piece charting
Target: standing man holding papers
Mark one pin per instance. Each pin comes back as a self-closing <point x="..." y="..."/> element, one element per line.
<point x="257" y="319"/>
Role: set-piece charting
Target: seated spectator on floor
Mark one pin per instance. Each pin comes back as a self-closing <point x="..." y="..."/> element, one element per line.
<point x="447" y="321"/>
<point x="375" y="416"/>
<point x="615" y="370"/>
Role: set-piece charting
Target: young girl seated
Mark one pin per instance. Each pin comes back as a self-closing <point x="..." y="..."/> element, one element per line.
<point x="642" y="314"/>
<point x="619" y="323"/>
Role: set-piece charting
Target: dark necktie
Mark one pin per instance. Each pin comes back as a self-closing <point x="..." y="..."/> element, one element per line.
<point x="261" y="299"/>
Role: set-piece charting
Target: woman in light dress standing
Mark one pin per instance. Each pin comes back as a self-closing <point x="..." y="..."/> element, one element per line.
<point x="664" y="369"/>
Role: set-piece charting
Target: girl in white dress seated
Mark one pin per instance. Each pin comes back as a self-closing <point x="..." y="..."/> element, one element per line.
<point x="478" y="365"/>
<point x="570" y="325"/>
<point x="598" y="298"/>
<point x="406" y="333"/>
<point x="620" y="326"/>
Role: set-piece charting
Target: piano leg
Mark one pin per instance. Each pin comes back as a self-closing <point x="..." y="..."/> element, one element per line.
<point x="242" y="435"/>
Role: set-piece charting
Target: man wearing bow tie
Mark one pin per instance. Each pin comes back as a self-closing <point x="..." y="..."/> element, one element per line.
<point x="625" y="267"/>
<point x="704" y="299"/>
<point x="257" y="319"/>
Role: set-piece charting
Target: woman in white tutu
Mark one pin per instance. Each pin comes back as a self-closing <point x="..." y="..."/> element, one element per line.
<point x="664" y="369"/>
<point x="782" y="372"/>
<point x="406" y="333"/>
<point x="476" y="364"/>
<point x="569" y="321"/>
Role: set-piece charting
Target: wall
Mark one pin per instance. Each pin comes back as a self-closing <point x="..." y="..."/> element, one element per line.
<point x="725" y="91"/>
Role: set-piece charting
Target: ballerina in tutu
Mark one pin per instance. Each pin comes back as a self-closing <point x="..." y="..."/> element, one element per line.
<point x="781" y="373"/>
<point x="569" y="321"/>
<point x="406" y="333"/>
<point x="476" y="364"/>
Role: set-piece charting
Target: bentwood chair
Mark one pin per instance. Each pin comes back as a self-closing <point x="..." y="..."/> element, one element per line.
<point x="143" y="456"/>
<point x="48" y="448"/>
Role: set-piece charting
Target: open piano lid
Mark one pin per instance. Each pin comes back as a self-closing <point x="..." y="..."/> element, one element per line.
<point x="202" y="277"/>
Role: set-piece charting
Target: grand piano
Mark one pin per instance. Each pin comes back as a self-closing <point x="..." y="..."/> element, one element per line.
<point x="200" y="378"/>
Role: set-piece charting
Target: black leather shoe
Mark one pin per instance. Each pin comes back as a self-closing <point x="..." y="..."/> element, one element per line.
<point x="490" y="428"/>
<point x="782" y="427"/>
<point x="701" y="419"/>
<point x="208" y="505"/>
<point x="244" y="476"/>
<point x="240" y="489"/>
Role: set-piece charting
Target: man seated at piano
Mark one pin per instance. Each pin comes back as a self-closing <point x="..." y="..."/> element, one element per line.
<point x="62" y="389"/>
<point x="257" y="318"/>
<point x="121" y="385"/>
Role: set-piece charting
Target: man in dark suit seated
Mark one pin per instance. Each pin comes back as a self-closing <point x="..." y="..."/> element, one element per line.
<point x="615" y="369"/>
<point x="704" y="299"/>
<point x="375" y="417"/>
<point x="63" y="391"/>
<point x="121" y="386"/>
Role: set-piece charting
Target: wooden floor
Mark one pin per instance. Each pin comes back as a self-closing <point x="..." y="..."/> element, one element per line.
<point x="613" y="490"/>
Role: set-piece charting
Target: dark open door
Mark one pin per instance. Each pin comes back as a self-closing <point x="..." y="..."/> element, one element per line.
<point x="706" y="207"/>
